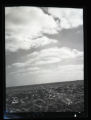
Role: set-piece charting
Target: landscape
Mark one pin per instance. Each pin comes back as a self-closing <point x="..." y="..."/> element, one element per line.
<point x="49" y="97"/>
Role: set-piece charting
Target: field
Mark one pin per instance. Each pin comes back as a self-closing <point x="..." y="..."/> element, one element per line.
<point x="53" y="97"/>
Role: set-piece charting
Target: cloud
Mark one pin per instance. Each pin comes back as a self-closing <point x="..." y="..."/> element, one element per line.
<point x="23" y="70"/>
<point x="62" y="52"/>
<point x="37" y="75"/>
<point x="25" y="28"/>
<point x="49" y="56"/>
<point x="19" y="64"/>
<point x="33" y="16"/>
<point x="23" y="24"/>
<point x="14" y="43"/>
<point x="43" y="41"/>
<point x="48" y="60"/>
<point x="37" y="67"/>
<point x="69" y="17"/>
<point x="54" y="55"/>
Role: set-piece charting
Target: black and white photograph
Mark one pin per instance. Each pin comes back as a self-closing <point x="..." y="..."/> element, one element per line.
<point x="44" y="55"/>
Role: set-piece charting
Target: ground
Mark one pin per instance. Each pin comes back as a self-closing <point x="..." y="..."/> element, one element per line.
<point x="54" y="97"/>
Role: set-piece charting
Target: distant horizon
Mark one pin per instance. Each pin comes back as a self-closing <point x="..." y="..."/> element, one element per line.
<point x="44" y="83"/>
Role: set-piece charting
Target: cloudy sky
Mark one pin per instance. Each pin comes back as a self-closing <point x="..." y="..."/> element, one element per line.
<point x="43" y="44"/>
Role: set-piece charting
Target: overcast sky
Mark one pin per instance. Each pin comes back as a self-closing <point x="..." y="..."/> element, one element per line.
<point x="43" y="44"/>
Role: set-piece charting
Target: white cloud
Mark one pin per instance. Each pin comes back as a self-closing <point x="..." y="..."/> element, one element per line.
<point x="49" y="56"/>
<point x="23" y="24"/>
<point x="69" y="17"/>
<point x="48" y="60"/>
<point x="14" y="43"/>
<point x="53" y="55"/>
<point x="42" y="41"/>
<point x="19" y="64"/>
<point x="23" y="70"/>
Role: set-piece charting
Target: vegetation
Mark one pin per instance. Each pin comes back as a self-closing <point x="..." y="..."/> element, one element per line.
<point x="54" y="97"/>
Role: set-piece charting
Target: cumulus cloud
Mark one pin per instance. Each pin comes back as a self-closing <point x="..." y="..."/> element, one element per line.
<point x="69" y="17"/>
<point x="49" y="56"/>
<point x="14" y="43"/>
<point x="48" y="60"/>
<point x="54" y="55"/>
<point x="34" y="67"/>
<point x="28" y="18"/>
<point x="23" y="24"/>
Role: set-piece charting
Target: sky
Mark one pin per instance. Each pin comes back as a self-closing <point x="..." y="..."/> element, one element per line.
<point x="43" y="45"/>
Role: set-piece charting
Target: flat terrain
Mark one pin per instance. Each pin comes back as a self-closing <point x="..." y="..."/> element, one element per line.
<point x="53" y="97"/>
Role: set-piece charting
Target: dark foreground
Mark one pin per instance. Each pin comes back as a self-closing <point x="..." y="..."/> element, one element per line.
<point x="54" y="97"/>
